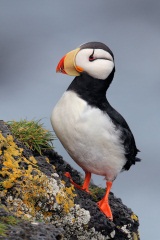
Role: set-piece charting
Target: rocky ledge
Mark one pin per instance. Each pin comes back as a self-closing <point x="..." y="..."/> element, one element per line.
<point x="37" y="201"/>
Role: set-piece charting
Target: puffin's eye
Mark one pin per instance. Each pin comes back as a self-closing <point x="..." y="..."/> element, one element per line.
<point x="91" y="57"/>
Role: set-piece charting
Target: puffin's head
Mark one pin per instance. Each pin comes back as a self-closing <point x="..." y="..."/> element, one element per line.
<point x="94" y="58"/>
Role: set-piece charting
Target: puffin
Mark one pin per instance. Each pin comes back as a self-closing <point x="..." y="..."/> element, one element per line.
<point x="94" y="134"/>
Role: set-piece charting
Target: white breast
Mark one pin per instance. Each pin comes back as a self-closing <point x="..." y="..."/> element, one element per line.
<point x="88" y="135"/>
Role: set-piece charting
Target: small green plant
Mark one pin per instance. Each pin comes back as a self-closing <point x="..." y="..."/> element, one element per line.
<point x="4" y="222"/>
<point x="11" y="220"/>
<point x="1" y="186"/>
<point x="3" y="229"/>
<point x="97" y="192"/>
<point x="32" y="134"/>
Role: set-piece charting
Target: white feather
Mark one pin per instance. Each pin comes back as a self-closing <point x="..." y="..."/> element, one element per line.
<point x="88" y="135"/>
<point x="99" y="68"/>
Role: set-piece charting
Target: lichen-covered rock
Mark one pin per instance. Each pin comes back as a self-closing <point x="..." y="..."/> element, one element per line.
<point x="35" y="191"/>
<point x="13" y="228"/>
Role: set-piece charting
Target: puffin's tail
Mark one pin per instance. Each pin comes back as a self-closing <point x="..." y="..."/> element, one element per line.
<point x="130" y="162"/>
<point x="137" y="159"/>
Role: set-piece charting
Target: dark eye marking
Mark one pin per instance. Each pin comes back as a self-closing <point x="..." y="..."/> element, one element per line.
<point x="91" y="57"/>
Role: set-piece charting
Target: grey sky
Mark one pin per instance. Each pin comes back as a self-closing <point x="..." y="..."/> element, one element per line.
<point x="34" y="35"/>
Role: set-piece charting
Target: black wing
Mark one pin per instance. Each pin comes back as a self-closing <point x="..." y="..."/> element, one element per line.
<point x="127" y="137"/>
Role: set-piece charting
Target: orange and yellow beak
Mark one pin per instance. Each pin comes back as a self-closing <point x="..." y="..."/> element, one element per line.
<point x="67" y="64"/>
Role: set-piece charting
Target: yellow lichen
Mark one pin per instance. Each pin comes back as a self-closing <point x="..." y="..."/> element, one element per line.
<point x="47" y="214"/>
<point x="33" y="160"/>
<point x="7" y="184"/>
<point x="11" y="159"/>
<point x="63" y="182"/>
<point x="134" y="217"/>
<point x="31" y="187"/>
<point x="135" y="236"/>
<point x="65" y="197"/>
<point x="47" y="160"/>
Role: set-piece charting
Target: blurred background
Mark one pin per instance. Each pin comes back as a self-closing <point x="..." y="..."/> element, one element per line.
<point x="34" y="35"/>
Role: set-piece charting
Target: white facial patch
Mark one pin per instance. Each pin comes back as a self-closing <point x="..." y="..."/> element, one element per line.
<point x="100" y="67"/>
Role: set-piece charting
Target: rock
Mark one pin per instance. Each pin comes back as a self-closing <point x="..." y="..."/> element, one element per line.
<point x="43" y="203"/>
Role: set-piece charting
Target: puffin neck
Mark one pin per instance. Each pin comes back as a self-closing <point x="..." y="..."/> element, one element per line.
<point x="91" y="89"/>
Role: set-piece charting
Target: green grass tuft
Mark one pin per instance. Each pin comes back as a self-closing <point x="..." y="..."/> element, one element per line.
<point x="3" y="229"/>
<point x="32" y="134"/>
<point x="11" y="220"/>
<point x="5" y="221"/>
<point x="97" y="192"/>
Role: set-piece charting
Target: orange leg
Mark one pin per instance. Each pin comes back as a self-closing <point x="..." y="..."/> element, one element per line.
<point x="104" y="205"/>
<point x="86" y="183"/>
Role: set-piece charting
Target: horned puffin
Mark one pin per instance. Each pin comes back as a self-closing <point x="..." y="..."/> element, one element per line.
<point x="94" y="134"/>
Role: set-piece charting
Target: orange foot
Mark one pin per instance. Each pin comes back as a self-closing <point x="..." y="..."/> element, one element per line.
<point x="104" y="205"/>
<point x="85" y="186"/>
